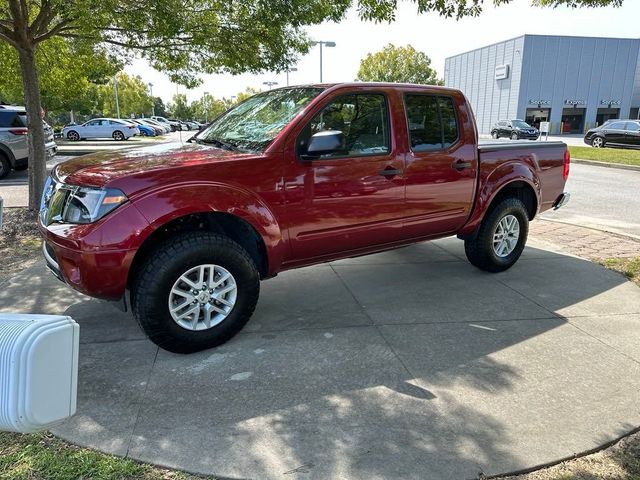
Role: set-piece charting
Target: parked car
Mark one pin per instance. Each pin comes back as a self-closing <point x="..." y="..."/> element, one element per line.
<point x="145" y="130"/>
<point x="14" y="147"/>
<point x="615" y="133"/>
<point x="171" y="123"/>
<point x="183" y="234"/>
<point x="514" y="129"/>
<point x="101" y="128"/>
<point x="163" y="127"/>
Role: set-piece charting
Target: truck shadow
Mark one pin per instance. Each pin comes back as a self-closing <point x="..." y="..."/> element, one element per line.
<point x="405" y="364"/>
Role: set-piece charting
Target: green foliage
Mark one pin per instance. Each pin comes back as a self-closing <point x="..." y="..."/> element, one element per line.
<point x="159" y="108"/>
<point x="69" y="71"/>
<point x="133" y="97"/>
<point x="179" y="108"/>
<point x="399" y="65"/>
<point x="208" y="107"/>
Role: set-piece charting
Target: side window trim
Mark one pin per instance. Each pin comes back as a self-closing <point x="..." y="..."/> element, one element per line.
<point x="361" y="155"/>
<point x="437" y="98"/>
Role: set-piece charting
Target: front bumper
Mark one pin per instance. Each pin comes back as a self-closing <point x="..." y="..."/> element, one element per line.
<point x="95" y="259"/>
<point x="562" y="200"/>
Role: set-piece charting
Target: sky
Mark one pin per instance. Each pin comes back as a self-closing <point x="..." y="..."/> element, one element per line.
<point x="439" y="38"/>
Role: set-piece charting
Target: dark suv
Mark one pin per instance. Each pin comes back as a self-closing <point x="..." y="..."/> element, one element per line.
<point x="514" y="129"/>
<point x="615" y="133"/>
<point x="14" y="148"/>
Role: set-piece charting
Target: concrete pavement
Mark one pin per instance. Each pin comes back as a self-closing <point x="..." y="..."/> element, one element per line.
<point x="406" y="364"/>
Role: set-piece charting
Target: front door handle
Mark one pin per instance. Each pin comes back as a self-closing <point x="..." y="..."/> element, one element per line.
<point x="390" y="172"/>
<point x="460" y="164"/>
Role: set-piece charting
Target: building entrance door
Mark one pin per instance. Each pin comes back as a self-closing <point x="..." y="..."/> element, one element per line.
<point x="534" y="116"/>
<point x="604" y="114"/>
<point x="572" y="120"/>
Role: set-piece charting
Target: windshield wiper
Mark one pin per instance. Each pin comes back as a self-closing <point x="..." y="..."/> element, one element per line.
<point x="214" y="141"/>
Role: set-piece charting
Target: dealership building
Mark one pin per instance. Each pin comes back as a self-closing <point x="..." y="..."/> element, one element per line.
<point x="575" y="83"/>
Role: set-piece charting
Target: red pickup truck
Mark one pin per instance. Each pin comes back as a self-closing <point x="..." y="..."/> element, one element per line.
<point x="288" y="178"/>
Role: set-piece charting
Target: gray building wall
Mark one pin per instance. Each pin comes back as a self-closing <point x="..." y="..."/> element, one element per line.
<point x="554" y="70"/>
<point x="473" y="73"/>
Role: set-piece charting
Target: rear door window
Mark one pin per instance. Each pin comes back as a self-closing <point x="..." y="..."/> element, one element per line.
<point x="634" y="127"/>
<point x="432" y="122"/>
<point x="12" y="119"/>
<point x="615" y="126"/>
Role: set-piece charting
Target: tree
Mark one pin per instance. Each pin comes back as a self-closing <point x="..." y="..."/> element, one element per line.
<point x="159" y="108"/>
<point x="133" y="97"/>
<point x="186" y="39"/>
<point x="179" y="108"/>
<point x="208" y="107"/>
<point x="398" y="64"/>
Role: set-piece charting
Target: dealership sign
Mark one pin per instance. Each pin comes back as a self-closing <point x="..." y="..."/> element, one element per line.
<point x="502" y="71"/>
<point x="533" y="101"/>
<point x="610" y="102"/>
<point x="575" y="102"/>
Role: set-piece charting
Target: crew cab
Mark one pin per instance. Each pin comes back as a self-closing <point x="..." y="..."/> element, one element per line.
<point x="183" y="234"/>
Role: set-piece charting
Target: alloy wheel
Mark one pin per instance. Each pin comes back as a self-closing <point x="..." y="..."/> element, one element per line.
<point x="506" y="236"/>
<point x="202" y="297"/>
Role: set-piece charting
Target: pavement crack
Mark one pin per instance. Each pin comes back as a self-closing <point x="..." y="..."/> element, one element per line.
<point x="141" y="402"/>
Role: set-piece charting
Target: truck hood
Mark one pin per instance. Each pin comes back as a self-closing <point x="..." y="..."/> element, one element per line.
<point x="100" y="169"/>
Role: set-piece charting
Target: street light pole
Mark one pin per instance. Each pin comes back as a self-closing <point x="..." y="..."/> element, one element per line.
<point x="326" y="44"/>
<point x="153" y="102"/>
<point x="115" y="92"/>
<point x="206" y="110"/>
<point x="290" y="70"/>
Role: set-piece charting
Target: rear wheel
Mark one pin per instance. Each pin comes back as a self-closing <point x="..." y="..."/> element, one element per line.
<point x="597" y="142"/>
<point x="494" y="134"/>
<point x="195" y="291"/>
<point x="5" y="166"/>
<point x="514" y="136"/>
<point x="501" y="237"/>
<point x="118" y="135"/>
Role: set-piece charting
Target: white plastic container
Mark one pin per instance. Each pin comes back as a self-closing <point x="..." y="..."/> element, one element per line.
<point x="38" y="371"/>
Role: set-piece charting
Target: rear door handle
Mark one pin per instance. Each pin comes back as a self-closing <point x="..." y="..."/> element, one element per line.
<point x="460" y="164"/>
<point x="389" y="172"/>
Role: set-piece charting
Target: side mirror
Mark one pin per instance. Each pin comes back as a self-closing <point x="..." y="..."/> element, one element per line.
<point x="323" y="143"/>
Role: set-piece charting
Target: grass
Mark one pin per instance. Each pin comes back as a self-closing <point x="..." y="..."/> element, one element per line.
<point x="607" y="155"/>
<point x="629" y="267"/>
<point x="41" y="456"/>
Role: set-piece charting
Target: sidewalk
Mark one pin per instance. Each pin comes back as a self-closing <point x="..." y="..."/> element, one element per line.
<point x="584" y="242"/>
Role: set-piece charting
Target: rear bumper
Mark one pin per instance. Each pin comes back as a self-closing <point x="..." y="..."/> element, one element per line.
<point x="562" y="200"/>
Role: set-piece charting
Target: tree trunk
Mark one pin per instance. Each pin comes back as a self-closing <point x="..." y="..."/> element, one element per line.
<point x="37" y="152"/>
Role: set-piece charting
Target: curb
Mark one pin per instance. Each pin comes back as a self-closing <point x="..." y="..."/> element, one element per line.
<point x="595" y="163"/>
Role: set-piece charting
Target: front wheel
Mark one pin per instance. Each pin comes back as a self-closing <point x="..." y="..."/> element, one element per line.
<point x="501" y="237"/>
<point x="195" y="291"/>
<point x="494" y="135"/>
<point x="514" y="136"/>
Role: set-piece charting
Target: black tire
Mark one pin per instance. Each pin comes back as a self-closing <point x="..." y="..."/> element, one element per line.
<point x="514" y="136"/>
<point x="118" y="136"/>
<point x="480" y="250"/>
<point x="494" y="135"/>
<point x="73" y="136"/>
<point x="5" y="166"/>
<point x="156" y="276"/>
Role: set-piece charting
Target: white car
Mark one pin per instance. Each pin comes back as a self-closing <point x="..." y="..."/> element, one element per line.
<point x="101" y="128"/>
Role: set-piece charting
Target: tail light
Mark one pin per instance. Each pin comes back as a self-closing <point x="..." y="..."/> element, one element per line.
<point x="131" y="127"/>
<point x="567" y="162"/>
<point x="19" y="131"/>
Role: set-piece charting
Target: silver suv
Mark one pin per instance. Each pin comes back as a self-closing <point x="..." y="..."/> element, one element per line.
<point x="14" y="149"/>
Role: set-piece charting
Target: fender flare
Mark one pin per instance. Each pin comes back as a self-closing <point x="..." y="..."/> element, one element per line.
<point x="491" y="186"/>
<point x="162" y="206"/>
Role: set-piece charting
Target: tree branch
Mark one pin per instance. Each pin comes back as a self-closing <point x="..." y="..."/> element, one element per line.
<point x="60" y="27"/>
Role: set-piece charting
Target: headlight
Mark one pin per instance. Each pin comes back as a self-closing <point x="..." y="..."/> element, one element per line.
<point x="71" y="204"/>
<point x="87" y="205"/>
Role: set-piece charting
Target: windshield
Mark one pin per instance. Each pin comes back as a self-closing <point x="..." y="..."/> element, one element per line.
<point x="253" y="124"/>
<point x="520" y="124"/>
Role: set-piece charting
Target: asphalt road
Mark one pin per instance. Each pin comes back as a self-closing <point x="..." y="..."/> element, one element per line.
<point x="603" y="198"/>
